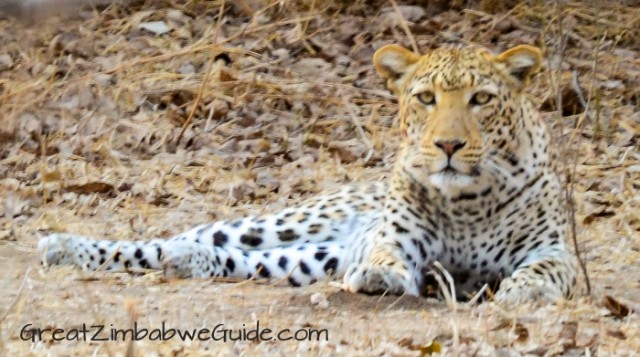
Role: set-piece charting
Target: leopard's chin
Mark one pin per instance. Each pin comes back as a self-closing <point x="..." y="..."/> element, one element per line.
<point x="451" y="179"/>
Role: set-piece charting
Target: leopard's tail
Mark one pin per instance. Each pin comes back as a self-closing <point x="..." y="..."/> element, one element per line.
<point x="91" y="254"/>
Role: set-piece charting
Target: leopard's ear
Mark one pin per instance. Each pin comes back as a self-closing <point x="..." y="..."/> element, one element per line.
<point x="392" y="62"/>
<point x="522" y="61"/>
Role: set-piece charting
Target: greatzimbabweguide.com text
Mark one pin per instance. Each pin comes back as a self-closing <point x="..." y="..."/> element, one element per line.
<point x="219" y="332"/>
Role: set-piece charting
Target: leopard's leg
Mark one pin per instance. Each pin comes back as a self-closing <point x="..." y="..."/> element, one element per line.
<point x="392" y="255"/>
<point x="384" y="270"/>
<point x="327" y="218"/>
<point x="542" y="267"/>
<point x="547" y="277"/>
<point x="300" y="264"/>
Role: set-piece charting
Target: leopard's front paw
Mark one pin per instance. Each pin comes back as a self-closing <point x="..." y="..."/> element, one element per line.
<point x="183" y="260"/>
<point x="517" y="291"/>
<point x="374" y="278"/>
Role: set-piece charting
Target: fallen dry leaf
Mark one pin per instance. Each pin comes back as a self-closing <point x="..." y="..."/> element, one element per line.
<point x="617" y="308"/>
<point x="568" y="334"/>
<point x="89" y="187"/>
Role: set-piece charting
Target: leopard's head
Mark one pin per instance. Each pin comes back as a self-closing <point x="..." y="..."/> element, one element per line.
<point x="463" y="113"/>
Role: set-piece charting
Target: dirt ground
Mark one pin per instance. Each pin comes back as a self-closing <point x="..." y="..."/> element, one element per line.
<point x="138" y="120"/>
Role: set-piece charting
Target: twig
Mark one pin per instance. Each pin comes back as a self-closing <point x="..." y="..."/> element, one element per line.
<point x="18" y="295"/>
<point x="358" y="126"/>
<point x="212" y="60"/>
<point x="578" y="90"/>
<point x="571" y="171"/>
<point x="43" y="165"/>
<point x="478" y="295"/>
<point x="405" y="28"/>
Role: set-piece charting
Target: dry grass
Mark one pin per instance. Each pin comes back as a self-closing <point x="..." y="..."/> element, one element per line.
<point x="110" y="131"/>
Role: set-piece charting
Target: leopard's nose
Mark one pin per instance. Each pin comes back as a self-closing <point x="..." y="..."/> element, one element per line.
<point x="450" y="147"/>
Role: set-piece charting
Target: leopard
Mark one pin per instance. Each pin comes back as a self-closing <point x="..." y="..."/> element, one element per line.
<point x="474" y="190"/>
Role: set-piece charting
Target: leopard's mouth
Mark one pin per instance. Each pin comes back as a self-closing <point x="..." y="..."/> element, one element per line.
<point x="451" y="177"/>
<point x="451" y="171"/>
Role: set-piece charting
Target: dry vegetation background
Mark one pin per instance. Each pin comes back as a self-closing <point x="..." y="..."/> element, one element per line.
<point x="111" y="130"/>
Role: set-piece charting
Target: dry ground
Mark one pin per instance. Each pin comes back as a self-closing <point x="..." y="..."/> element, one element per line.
<point x="110" y="130"/>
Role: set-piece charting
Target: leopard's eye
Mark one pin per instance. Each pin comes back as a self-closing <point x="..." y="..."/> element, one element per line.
<point x="481" y="98"/>
<point x="427" y="98"/>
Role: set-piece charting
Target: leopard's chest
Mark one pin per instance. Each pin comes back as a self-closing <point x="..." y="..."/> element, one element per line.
<point x="474" y="236"/>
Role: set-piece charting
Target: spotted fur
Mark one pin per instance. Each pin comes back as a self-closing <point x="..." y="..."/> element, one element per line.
<point x="473" y="188"/>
